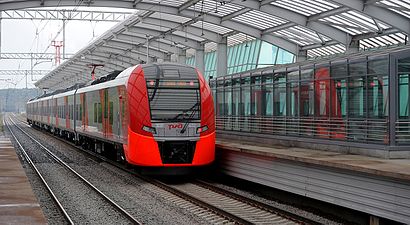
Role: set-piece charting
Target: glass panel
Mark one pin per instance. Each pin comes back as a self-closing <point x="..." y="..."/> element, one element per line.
<point x="339" y="109"/>
<point x="306" y="99"/>
<point x="267" y="56"/>
<point x="322" y="90"/>
<point x="228" y="103"/>
<point x="236" y="101"/>
<point x="404" y="95"/>
<point x="267" y="100"/>
<point x="377" y="96"/>
<point x="379" y="66"/>
<point x="358" y="69"/>
<point x="246" y="100"/>
<point x="356" y="97"/>
<point x="279" y="95"/>
<point x="220" y="102"/>
<point x="256" y="100"/>
<point x="284" y="57"/>
<point x="339" y="71"/>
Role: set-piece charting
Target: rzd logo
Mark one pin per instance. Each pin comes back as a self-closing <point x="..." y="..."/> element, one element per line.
<point x="174" y="126"/>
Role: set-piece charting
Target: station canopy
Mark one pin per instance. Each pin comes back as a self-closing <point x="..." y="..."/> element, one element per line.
<point x="169" y="28"/>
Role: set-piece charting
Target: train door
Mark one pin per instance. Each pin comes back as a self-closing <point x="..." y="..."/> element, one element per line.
<point x="108" y="114"/>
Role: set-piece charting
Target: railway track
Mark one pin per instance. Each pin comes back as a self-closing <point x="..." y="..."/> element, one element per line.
<point x="215" y="205"/>
<point x="67" y="167"/>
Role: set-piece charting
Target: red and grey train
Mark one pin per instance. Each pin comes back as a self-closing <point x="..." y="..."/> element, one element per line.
<point x="153" y="115"/>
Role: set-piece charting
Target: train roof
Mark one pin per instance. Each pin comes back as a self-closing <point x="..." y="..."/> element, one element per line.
<point x="112" y="79"/>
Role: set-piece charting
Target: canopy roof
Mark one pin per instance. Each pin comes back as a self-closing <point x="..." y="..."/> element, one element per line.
<point x="315" y="27"/>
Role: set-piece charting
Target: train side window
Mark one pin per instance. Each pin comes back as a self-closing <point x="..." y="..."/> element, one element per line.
<point x="111" y="111"/>
<point x="81" y="112"/>
<point x="99" y="113"/>
<point x="95" y="112"/>
<point x="106" y="103"/>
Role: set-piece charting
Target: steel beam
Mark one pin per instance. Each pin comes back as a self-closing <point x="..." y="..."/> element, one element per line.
<point x="393" y="19"/>
<point x="23" y="72"/>
<point x="64" y="14"/>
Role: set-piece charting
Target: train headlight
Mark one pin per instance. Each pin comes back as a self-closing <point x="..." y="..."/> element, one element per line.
<point x="201" y="129"/>
<point x="149" y="129"/>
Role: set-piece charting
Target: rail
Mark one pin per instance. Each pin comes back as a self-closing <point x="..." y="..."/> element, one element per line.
<point x="88" y="183"/>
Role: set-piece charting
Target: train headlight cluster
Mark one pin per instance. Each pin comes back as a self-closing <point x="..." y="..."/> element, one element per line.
<point x="201" y="129"/>
<point x="149" y="129"/>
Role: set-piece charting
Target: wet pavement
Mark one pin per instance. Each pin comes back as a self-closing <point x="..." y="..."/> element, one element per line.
<point x="18" y="205"/>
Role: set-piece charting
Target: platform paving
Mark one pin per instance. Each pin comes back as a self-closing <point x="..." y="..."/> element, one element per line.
<point x="18" y="205"/>
<point x="392" y="168"/>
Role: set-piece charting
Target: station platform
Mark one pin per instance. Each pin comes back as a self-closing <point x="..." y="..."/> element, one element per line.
<point x="18" y="205"/>
<point x="379" y="187"/>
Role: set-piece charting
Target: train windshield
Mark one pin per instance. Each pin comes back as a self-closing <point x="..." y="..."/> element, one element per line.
<point x="174" y="100"/>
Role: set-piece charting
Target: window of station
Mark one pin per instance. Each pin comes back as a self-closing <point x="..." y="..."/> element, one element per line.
<point x="378" y="87"/>
<point x="404" y="87"/>
<point x="357" y="88"/>
<point x="220" y="97"/>
<point x="246" y="95"/>
<point x="256" y="94"/>
<point x="338" y="87"/>
<point x="307" y="96"/>
<point x="293" y="91"/>
<point x="322" y="90"/>
<point x="267" y="93"/>
<point x="236" y="94"/>
<point x="279" y="94"/>
<point x="228" y="98"/>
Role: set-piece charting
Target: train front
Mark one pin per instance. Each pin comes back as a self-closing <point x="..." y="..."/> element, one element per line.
<point x="172" y="122"/>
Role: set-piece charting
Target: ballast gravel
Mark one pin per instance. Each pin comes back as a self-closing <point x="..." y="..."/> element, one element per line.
<point x="132" y="194"/>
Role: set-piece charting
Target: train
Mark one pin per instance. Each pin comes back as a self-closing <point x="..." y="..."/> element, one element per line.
<point x="157" y="115"/>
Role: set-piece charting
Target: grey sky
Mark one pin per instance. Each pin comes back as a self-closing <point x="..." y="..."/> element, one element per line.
<point x="20" y="36"/>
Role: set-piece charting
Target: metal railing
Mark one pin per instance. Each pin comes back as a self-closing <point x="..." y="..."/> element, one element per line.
<point x="403" y="131"/>
<point x="357" y="130"/>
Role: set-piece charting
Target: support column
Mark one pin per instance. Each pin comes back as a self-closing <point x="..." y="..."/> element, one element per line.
<point x="64" y="39"/>
<point x="374" y="220"/>
<point x="222" y="58"/>
<point x="200" y="58"/>
<point x="167" y="57"/>
<point x="352" y="47"/>
<point x="301" y="56"/>
<point x="0" y="32"/>
<point x="182" y="57"/>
